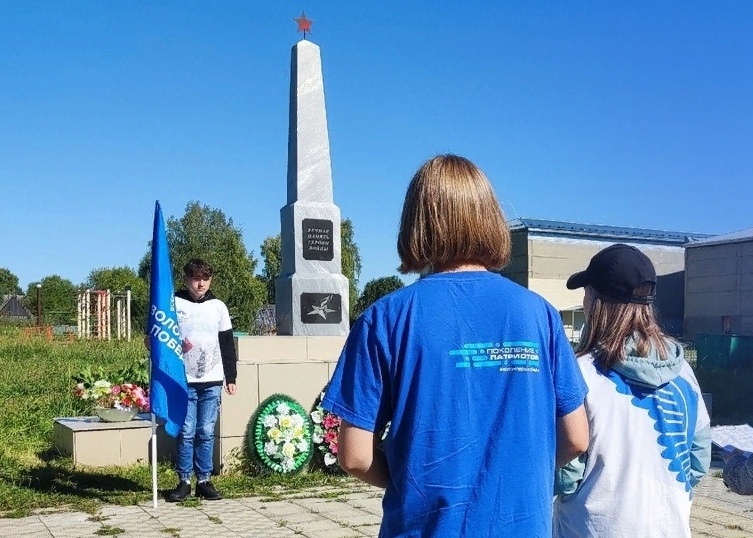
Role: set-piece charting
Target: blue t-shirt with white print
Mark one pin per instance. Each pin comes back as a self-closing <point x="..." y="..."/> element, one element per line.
<point x="472" y="371"/>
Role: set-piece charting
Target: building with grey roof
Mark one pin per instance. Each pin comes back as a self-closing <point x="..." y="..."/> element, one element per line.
<point x="546" y="252"/>
<point x="719" y="285"/>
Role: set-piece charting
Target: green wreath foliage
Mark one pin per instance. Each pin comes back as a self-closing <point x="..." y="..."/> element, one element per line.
<point x="279" y="435"/>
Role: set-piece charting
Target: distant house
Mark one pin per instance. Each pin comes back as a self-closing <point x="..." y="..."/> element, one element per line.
<point x="545" y="253"/>
<point x="719" y="285"/>
<point x="12" y="307"/>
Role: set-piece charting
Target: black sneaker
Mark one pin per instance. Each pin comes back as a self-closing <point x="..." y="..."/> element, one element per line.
<point x="181" y="491"/>
<point x="206" y="490"/>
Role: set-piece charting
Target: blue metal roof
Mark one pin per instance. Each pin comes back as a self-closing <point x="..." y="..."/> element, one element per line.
<point x="734" y="237"/>
<point x="573" y="230"/>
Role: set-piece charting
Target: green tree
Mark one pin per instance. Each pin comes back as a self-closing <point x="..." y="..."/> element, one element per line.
<point x="350" y="258"/>
<point x="58" y="297"/>
<point x="117" y="279"/>
<point x="271" y="253"/>
<point x="8" y="283"/>
<point x="206" y="233"/>
<point x="375" y="289"/>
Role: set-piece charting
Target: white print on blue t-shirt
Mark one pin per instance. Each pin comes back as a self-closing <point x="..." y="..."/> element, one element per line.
<point x="673" y="408"/>
<point x="517" y="356"/>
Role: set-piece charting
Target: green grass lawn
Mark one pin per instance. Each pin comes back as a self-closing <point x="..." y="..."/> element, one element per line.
<point x="35" y="387"/>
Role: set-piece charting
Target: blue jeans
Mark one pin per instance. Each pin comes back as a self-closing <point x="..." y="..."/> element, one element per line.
<point x="195" y="441"/>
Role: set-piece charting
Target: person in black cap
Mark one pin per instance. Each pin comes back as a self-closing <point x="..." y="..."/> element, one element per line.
<point x="649" y="441"/>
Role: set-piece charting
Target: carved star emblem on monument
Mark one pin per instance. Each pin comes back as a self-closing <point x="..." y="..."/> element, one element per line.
<point x="323" y="309"/>
<point x="304" y="24"/>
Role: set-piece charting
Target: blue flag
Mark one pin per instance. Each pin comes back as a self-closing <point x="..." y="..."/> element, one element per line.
<point x="168" y="389"/>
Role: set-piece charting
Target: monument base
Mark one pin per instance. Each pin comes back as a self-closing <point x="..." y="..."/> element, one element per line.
<point x="299" y="366"/>
<point x="312" y="304"/>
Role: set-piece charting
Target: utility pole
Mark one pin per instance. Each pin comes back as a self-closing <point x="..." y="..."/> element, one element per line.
<point x="39" y="304"/>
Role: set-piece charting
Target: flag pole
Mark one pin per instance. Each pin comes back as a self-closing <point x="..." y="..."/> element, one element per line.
<point x="154" y="441"/>
<point x="154" y="461"/>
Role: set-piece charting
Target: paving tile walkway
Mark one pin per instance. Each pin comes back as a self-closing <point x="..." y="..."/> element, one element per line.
<point x="314" y="513"/>
<point x="719" y="513"/>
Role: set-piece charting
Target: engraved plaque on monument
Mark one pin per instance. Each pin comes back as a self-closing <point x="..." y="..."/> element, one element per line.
<point x="321" y="308"/>
<point x="317" y="240"/>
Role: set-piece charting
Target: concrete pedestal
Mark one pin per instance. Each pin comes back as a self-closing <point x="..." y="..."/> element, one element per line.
<point x="95" y="443"/>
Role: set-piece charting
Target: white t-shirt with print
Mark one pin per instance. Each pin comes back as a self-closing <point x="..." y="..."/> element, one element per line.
<point x="200" y="324"/>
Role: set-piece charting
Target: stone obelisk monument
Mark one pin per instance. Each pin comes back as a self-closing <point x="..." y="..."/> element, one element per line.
<point x="311" y="294"/>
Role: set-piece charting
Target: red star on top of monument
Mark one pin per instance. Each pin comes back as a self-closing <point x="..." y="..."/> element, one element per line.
<point x="304" y="24"/>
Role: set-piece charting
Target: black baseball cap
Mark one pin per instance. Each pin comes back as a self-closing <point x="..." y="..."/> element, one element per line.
<point x="615" y="273"/>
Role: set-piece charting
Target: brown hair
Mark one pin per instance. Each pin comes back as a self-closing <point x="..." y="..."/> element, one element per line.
<point x="198" y="268"/>
<point x="609" y="324"/>
<point x="451" y="216"/>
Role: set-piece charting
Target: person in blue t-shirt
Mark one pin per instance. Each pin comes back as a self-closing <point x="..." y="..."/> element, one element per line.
<point x="472" y="371"/>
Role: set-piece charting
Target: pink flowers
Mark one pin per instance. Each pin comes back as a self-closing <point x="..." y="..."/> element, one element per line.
<point x="104" y="394"/>
<point x="326" y="429"/>
<point x="131" y="395"/>
<point x="331" y="422"/>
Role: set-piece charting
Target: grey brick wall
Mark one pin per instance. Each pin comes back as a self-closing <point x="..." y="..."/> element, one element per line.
<point x="719" y="283"/>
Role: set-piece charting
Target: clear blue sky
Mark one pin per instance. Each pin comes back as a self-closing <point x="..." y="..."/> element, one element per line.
<point x="623" y="113"/>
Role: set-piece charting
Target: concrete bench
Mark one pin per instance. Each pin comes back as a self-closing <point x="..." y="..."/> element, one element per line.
<point x="95" y="443"/>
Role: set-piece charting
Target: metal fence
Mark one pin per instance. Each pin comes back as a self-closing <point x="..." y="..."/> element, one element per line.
<point x="723" y="351"/>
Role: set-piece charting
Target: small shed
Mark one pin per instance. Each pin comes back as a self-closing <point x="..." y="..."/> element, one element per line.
<point x="12" y="307"/>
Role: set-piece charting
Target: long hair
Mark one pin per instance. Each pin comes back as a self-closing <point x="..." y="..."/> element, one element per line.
<point x="451" y="216"/>
<point x="609" y="324"/>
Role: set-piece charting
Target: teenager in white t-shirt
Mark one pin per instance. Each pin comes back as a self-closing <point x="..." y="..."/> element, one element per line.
<point x="210" y="360"/>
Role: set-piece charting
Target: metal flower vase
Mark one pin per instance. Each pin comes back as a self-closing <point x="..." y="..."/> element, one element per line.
<point x="116" y="415"/>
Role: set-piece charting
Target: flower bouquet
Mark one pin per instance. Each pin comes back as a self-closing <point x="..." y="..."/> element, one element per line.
<point x="281" y="434"/>
<point x="113" y="403"/>
<point x="326" y="429"/>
